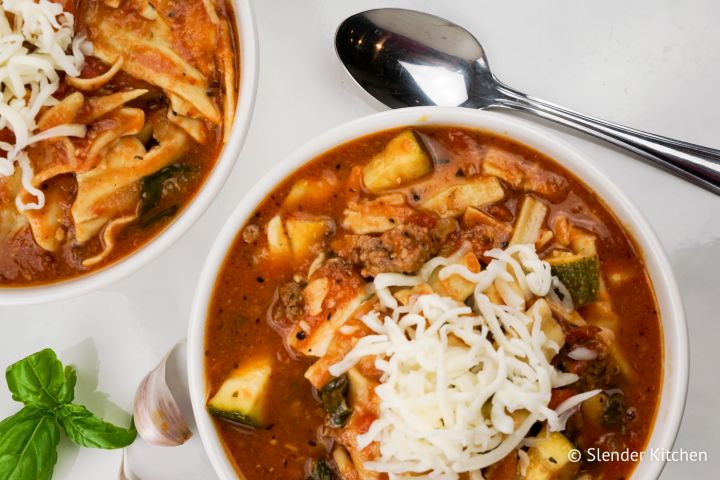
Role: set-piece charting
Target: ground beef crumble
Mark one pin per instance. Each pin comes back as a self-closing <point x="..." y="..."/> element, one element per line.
<point x="403" y="249"/>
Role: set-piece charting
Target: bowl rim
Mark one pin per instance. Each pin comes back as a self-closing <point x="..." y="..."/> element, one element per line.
<point x="674" y="327"/>
<point x="247" y="90"/>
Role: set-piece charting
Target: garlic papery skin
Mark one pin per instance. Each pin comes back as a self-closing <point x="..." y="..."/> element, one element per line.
<point x="125" y="473"/>
<point x="158" y="417"/>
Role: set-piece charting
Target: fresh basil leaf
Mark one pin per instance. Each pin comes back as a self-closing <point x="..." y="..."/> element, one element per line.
<point x="152" y="185"/>
<point x="85" y="429"/>
<point x="41" y="381"/>
<point x="70" y="382"/>
<point x="28" y="445"/>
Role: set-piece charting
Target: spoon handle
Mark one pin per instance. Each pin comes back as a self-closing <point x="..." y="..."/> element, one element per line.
<point x="697" y="164"/>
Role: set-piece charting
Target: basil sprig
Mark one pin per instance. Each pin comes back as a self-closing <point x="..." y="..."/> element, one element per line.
<point x="29" y="439"/>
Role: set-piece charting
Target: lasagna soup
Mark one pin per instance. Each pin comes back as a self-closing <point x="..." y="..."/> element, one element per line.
<point x="113" y="114"/>
<point x="438" y="303"/>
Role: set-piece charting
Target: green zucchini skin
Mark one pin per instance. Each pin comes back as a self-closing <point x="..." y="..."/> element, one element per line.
<point x="235" y="417"/>
<point x="242" y="396"/>
<point x="580" y="275"/>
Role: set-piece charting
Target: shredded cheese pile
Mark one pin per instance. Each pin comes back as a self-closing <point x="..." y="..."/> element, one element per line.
<point x="34" y="37"/>
<point x="460" y="387"/>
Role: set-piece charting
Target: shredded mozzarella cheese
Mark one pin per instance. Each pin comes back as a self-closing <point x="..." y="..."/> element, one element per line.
<point x="34" y="38"/>
<point x="582" y="353"/>
<point x="523" y="462"/>
<point x="460" y="386"/>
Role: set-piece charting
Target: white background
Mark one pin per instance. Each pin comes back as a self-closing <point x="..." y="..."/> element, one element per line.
<point x="650" y="64"/>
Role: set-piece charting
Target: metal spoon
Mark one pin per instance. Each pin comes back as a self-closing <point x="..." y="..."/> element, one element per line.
<point x="408" y="58"/>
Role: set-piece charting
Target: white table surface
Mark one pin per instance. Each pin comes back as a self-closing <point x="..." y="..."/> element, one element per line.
<point x="650" y="64"/>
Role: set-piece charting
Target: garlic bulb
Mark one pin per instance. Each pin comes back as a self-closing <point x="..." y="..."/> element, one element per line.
<point x="125" y="474"/>
<point x="158" y="417"/>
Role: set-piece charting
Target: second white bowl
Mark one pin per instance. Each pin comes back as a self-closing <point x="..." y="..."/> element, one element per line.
<point x="248" y="68"/>
<point x="675" y="377"/>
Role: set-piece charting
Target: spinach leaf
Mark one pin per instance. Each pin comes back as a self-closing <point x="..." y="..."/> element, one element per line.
<point x="28" y="445"/>
<point x="332" y="396"/>
<point x="41" y="381"/>
<point x="152" y="185"/>
<point x="145" y="222"/>
<point x="322" y="471"/>
<point x="86" y="430"/>
<point x="615" y="412"/>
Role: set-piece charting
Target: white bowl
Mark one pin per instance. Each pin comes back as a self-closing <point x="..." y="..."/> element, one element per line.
<point x="675" y="359"/>
<point x="247" y="38"/>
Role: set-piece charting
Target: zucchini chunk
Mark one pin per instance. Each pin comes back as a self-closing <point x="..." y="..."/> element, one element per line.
<point x="403" y="160"/>
<point x="580" y="275"/>
<point x="241" y="398"/>
<point x="549" y="458"/>
<point x="310" y="190"/>
<point x="305" y="234"/>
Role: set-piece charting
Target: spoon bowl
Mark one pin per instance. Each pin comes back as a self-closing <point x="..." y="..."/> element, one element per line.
<point x="406" y="58"/>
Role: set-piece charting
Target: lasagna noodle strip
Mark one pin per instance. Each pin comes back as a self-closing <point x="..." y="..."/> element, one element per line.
<point x="227" y="61"/>
<point x="97" y="107"/>
<point x="62" y="113"/>
<point x="126" y="121"/>
<point x="94" y="83"/>
<point x="112" y="188"/>
<point x="192" y="126"/>
<point x="152" y="59"/>
<point x="11" y="221"/>
<point x="47" y="223"/>
<point x="107" y="190"/>
<point x="109" y="238"/>
<point x="51" y="158"/>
